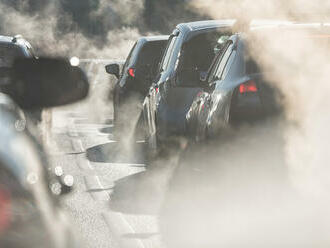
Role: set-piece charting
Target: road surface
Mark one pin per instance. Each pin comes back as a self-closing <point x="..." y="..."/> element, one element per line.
<point x="116" y="200"/>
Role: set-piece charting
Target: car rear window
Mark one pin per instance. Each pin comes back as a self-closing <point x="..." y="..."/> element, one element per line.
<point x="151" y="53"/>
<point x="198" y="52"/>
<point x="8" y="53"/>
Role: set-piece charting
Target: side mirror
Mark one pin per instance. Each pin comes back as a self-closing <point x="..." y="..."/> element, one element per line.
<point x="189" y="78"/>
<point x="113" y="69"/>
<point x="46" y="82"/>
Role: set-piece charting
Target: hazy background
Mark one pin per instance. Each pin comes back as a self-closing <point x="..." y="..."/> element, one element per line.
<point x="267" y="184"/>
<point x="87" y="28"/>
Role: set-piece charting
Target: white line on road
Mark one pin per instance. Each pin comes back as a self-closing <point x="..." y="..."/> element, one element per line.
<point x="90" y="165"/>
<point x="114" y="215"/>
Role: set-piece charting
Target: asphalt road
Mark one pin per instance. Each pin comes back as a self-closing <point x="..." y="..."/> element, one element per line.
<point x="116" y="200"/>
<point x="114" y="204"/>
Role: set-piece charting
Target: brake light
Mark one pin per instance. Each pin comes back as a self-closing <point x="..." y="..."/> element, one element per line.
<point x="5" y="210"/>
<point x="249" y="86"/>
<point x="131" y="72"/>
<point x="157" y="89"/>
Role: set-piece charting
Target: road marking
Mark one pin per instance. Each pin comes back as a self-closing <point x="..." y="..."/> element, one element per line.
<point x="120" y="215"/>
<point x="114" y="215"/>
<point x="90" y="165"/>
<point x="124" y="226"/>
<point x="78" y="146"/>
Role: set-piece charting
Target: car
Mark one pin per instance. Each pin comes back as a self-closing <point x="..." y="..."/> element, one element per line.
<point x="135" y="79"/>
<point x="190" y="51"/>
<point x="12" y="47"/>
<point x="30" y="209"/>
<point x="235" y="90"/>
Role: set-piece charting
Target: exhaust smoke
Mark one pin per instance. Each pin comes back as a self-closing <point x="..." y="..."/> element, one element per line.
<point x="262" y="185"/>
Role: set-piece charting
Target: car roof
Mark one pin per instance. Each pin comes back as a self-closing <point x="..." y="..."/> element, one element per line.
<point x="154" y="38"/>
<point x="209" y="24"/>
<point x="15" y="40"/>
<point x="6" y="39"/>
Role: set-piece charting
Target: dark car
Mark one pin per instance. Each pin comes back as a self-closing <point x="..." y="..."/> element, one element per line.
<point x="236" y="91"/>
<point x="30" y="209"/>
<point x="135" y="79"/>
<point x="10" y="49"/>
<point x="190" y="51"/>
<point x="13" y="47"/>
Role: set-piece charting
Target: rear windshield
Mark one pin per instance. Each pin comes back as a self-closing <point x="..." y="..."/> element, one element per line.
<point x="8" y="53"/>
<point x="151" y="53"/>
<point x="199" y="52"/>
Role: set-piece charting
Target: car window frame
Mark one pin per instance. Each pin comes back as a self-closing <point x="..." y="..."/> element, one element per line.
<point x="224" y="60"/>
<point x="128" y="59"/>
<point x="170" y="45"/>
<point x="214" y="68"/>
<point x="228" y="64"/>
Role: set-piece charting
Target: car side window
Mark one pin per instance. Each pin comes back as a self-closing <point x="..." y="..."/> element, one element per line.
<point x="223" y="62"/>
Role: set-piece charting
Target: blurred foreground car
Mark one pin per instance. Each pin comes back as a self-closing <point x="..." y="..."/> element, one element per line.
<point x="189" y="53"/>
<point x="30" y="212"/>
<point x="135" y="79"/>
<point x="10" y="49"/>
<point x="236" y="91"/>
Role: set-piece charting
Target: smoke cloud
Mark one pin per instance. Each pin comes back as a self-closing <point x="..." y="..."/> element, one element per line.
<point x="300" y="70"/>
<point x="89" y="29"/>
<point x="263" y="184"/>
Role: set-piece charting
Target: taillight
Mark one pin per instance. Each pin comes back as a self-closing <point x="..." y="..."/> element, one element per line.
<point x="157" y="89"/>
<point x="131" y="72"/>
<point x="5" y="210"/>
<point x="249" y="86"/>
